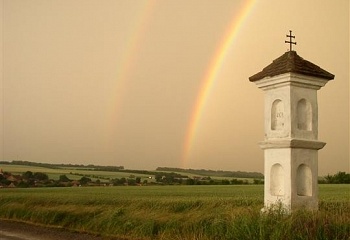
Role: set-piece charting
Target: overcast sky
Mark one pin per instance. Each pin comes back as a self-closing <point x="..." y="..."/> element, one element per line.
<point x="144" y="84"/>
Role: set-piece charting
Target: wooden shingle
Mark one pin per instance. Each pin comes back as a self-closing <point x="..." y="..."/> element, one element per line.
<point x="293" y="63"/>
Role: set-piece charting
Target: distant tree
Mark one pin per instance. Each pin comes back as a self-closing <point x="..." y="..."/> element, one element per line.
<point x="341" y="177"/>
<point x="6" y="182"/>
<point x="131" y="181"/>
<point x="258" y="181"/>
<point x="321" y="181"/>
<point x="329" y="178"/>
<point x="122" y="181"/>
<point x="169" y="178"/>
<point x="190" y="181"/>
<point x="225" y="182"/>
<point x="338" y="178"/>
<point x="158" y="177"/>
<point x="64" y="178"/>
<point x="235" y="181"/>
<point x="138" y="180"/>
<point x="29" y="178"/>
<point x="41" y="176"/>
<point x="115" y="181"/>
<point x="28" y="175"/>
<point x="84" y="180"/>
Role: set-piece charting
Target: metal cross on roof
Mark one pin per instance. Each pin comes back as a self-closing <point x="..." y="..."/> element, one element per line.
<point x="290" y="36"/>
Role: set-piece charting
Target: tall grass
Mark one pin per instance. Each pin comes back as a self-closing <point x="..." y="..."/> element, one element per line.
<point x="177" y="212"/>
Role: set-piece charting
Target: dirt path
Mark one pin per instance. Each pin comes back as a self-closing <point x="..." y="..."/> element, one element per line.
<point x="10" y="230"/>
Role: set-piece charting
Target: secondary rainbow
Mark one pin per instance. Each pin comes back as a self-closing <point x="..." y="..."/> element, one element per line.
<point x="129" y="55"/>
<point x="210" y="77"/>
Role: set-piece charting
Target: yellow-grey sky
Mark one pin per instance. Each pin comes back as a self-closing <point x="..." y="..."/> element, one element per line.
<point x="115" y="82"/>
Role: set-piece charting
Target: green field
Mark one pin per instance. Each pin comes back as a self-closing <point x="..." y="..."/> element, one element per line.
<point x="75" y="173"/>
<point x="71" y="173"/>
<point x="177" y="212"/>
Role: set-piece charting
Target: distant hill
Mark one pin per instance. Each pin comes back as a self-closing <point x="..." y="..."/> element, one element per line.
<point x="212" y="173"/>
<point x="202" y="172"/>
<point x="55" y="166"/>
<point x="20" y="174"/>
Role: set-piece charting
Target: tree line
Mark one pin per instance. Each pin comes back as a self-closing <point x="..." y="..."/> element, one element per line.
<point x="62" y="165"/>
<point x="213" y="173"/>
<point x="338" y="178"/>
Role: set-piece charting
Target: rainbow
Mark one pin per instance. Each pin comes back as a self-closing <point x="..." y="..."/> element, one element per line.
<point x="128" y="59"/>
<point x="210" y="77"/>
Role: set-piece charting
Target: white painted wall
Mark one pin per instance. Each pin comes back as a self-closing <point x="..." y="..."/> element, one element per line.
<point x="290" y="145"/>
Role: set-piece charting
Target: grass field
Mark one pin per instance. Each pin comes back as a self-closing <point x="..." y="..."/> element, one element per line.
<point x="177" y="212"/>
<point x="76" y="173"/>
<point x="71" y="173"/>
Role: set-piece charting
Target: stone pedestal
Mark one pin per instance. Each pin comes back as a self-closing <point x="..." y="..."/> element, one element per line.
<point x="291" y="173"/>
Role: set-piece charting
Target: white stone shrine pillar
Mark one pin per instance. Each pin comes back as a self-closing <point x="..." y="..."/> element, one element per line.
<point x="291" y="141"/>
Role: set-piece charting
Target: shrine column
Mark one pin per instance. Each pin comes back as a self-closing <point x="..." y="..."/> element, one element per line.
<point x="291" y="141"/>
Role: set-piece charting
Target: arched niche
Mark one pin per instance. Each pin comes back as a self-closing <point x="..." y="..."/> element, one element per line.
<point x="304" y="180"/>
<point x="277" y="180"/>
<point x="277" y="115"/>
<point x="304" y="115"/>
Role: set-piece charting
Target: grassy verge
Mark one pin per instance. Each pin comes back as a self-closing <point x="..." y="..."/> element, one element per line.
<point x="177" y="212"/>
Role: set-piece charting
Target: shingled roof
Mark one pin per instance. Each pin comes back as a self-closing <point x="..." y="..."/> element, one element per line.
<point x="293" y="63"/>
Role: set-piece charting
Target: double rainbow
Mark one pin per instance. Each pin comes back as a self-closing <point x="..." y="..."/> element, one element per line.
<point x="128" y="61"/>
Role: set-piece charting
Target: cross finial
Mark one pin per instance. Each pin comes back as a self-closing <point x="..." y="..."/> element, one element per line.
<point x="290" y="36"/>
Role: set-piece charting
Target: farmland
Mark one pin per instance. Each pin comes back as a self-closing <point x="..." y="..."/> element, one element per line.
<point x="177" y="212"/>
<point x="101" y="175"/>
<point x="71" y="173"/>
